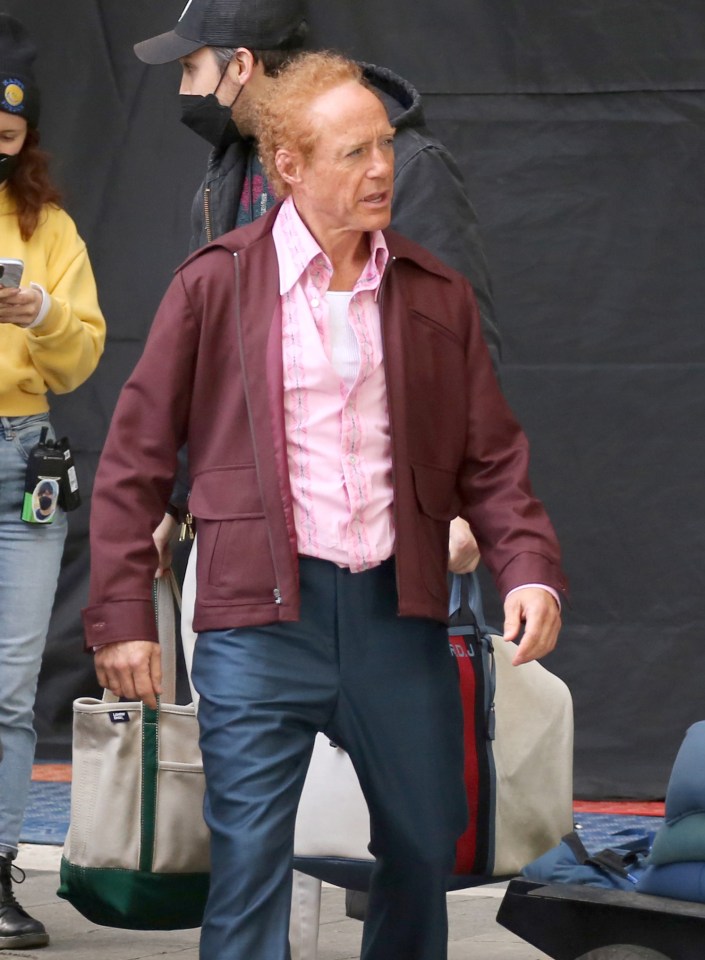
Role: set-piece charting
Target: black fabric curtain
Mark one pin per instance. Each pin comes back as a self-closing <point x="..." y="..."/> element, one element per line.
<point x="580" y="130"/>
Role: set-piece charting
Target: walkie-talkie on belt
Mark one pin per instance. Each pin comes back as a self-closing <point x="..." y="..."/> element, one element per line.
<point x="50" y="480"/>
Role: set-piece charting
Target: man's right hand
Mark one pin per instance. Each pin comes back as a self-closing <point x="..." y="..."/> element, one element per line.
<point x="131" y="669"/>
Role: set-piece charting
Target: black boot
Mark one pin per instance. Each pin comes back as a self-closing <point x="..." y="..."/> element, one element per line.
<point x="18" y="930"/>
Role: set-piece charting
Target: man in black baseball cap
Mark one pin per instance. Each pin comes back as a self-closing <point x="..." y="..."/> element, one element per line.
<point x="229" y="50"/>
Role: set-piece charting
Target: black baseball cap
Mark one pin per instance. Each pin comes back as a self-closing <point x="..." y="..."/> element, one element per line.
<point x="255" y="24"/>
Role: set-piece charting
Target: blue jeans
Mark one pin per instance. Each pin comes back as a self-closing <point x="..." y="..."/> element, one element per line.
<point x="386" y="689"/>
<point x="30" y="558"/>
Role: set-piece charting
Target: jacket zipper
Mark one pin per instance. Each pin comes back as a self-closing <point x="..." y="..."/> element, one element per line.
<point x="382" y="288"/>
<point x="186" y="531"/>
<point x="207" y="213"/>
<point x="276" y="593"/>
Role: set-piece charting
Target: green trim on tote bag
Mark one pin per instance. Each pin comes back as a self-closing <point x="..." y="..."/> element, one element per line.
<point x="148" y="806"/>
<point x="134" y="900"/>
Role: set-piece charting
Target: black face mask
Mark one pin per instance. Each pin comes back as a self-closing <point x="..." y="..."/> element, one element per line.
<point x="8" y="165"/>
<point x="207" y="117"/>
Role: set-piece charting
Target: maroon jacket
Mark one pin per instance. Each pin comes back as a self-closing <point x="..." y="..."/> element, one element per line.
<point x="211" y="375"/>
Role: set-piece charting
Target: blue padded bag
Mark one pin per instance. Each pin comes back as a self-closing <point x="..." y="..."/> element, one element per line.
<point x="682" y="840"/>
<point x="682" y="836"/>
<point x="681" y="881"/>
<point x="686" y="786"/>
<point x="616" y="868"/>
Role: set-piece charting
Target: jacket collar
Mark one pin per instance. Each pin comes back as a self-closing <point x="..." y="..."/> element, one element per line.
<point x="399" y="247"/>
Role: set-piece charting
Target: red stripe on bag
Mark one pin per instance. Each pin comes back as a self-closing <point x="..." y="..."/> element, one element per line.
<point x="466" y="847"/>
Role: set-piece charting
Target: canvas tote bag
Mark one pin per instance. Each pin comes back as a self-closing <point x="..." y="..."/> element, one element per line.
<point x="137" y="850"/>
<point x="518" y="727"/>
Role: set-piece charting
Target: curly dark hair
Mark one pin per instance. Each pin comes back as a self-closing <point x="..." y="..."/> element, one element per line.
<point x="30" y="185"/>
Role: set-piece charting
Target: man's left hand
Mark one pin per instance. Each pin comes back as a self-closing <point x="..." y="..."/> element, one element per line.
<point x="538" y="611"/>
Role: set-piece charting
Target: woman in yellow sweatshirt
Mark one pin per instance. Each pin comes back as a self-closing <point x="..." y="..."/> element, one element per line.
<point x="52" y="334"/>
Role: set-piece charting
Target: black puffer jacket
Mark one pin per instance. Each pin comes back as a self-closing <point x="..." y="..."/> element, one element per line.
<point x="430" y="205"/>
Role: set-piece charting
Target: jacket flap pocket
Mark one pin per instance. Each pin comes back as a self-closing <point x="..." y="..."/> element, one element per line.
<point x="435" y="491"/>
<point x="226" y="493"/>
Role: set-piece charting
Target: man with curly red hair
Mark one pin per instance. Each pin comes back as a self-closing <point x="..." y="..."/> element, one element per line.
<point x="331" y="379"/>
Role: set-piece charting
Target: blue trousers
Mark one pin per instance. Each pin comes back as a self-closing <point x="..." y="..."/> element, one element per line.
<point x="383" y="687"/>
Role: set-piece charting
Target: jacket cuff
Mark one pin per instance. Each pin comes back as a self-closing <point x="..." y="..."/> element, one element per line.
<point x="532" y="568"/>
<point x="176" y="512"/>
<point x="119" y="620"/>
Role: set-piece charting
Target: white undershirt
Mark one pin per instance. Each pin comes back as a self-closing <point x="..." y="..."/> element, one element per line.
<point x="344" y="348"/>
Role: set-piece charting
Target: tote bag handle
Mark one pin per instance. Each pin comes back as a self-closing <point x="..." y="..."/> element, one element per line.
<point x="167" y="600"/>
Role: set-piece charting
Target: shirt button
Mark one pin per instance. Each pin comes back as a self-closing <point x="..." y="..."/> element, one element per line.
<point x="315" y="302"/>
<point x="352" y="458"/>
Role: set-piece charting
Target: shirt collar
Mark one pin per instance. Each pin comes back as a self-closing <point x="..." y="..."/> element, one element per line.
<point x="297" y="250"/>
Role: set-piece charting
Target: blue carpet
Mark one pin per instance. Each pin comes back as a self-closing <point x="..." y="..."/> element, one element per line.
<point x="47" y="817"/>
<point x="601" y="830"/>
<point x="47" y="820"/>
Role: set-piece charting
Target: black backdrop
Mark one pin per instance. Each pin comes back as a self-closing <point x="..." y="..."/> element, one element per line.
<point x="580" y="129"/>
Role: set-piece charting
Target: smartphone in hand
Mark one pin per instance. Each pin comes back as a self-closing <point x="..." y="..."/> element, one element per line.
<point x="10" y="272"/>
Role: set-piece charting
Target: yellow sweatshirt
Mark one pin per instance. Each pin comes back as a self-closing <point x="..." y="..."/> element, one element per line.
<point x="65" y="348"/>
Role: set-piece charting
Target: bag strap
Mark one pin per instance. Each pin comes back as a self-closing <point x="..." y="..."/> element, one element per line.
<point x="465" y="603"/>
<point x="167" y="599"/>
<point x="576" y="846"/>
<point x="466" y="625"/>
<point x="619" y="861"/>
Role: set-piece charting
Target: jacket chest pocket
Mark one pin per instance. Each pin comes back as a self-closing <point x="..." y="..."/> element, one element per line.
<point x="234" y="562"/>
<point x="435" y="371"/>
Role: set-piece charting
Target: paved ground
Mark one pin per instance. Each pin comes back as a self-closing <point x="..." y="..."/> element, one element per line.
<point x="474" y="934"/>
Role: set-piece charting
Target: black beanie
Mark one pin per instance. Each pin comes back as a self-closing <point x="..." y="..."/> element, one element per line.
<point x="19" y="93"/>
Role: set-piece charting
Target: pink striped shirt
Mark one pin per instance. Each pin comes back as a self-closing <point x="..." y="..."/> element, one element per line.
<point x="335" y="402"/>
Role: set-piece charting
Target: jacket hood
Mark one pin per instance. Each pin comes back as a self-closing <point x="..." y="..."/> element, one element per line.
<point x="401" y="100"/>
